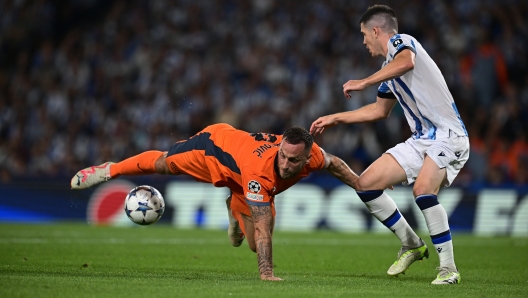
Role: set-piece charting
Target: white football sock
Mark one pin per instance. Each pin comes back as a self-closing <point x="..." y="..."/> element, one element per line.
<point x="384" y="209"/>
<point x="438" y="225"/>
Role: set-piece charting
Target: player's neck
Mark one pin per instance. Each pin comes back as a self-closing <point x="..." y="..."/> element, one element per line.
<point x="384" y="41"/>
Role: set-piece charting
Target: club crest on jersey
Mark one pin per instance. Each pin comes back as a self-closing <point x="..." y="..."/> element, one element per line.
<point x="254" y="186"/>
<point x="397" y="42"/>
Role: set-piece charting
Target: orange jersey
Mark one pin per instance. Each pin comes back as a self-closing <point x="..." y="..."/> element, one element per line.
<point x="242" y="161"/>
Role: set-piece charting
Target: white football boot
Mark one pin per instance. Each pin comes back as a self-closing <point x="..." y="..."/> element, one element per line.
<point x="91" y="176"/>
<point x="447" y="276"/>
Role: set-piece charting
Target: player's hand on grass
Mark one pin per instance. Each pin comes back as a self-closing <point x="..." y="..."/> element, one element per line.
<point x="322" y="123"/>
<point x="270" y="277"/>
<point x="353" y="85"/>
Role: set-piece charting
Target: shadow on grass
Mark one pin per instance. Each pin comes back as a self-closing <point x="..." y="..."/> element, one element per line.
<point x="173" y="275"/>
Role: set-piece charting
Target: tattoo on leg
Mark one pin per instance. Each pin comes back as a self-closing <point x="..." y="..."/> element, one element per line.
<point x="260" y="213"/>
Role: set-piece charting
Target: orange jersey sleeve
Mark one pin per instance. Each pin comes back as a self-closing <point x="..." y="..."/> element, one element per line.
<point x="257" y="189"/>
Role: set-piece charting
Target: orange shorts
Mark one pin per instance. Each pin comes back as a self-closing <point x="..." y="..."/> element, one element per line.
<point x="199" y="157"/>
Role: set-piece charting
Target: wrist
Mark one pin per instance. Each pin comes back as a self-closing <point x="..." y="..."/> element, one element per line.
<point x="337" y="118"/>
<point x="266" y="275"/>
<point x="366" y="83"/>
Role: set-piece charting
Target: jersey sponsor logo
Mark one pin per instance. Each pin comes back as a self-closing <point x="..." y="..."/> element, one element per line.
<point x="397" y="42"/>
<point x="442" y="153"/>
<point x="254" y="197"/>
<point x="254" y="186"/>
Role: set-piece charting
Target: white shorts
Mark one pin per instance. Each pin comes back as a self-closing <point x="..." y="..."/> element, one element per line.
<point x="450" y="153"/>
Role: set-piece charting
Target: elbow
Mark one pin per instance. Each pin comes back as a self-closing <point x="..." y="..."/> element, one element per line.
<point x="408" y="66"/>
<point x="382" y="115"/>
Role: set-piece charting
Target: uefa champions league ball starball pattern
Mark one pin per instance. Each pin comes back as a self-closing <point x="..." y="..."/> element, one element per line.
<point x="144" y="205"/>
<point x="254" y="186"/>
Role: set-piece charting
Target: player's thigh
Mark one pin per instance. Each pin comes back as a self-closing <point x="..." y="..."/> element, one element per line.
<point x="430" y="178"/>
<point x="382" y="173"/>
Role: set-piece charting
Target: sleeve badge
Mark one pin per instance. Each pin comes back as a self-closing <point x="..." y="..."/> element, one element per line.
<point x="254" y="186"/>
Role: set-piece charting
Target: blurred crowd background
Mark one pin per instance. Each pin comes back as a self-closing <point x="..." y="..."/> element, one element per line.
<point x="88" y="81"/>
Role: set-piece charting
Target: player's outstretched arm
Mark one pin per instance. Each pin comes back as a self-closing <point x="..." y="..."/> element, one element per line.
<point x="262" y="216"/>
<point x="339" y="169"/>
<point x="375" y="111"/>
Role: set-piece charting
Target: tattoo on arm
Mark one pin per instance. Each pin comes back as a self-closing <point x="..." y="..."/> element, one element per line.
<point x="262" y="216"/>
<point x="342" y="171"/>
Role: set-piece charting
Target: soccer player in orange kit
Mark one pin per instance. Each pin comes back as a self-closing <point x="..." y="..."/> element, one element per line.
<point x="254" y="166"/>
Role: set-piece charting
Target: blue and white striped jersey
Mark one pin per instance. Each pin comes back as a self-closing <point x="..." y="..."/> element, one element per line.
<point x="422" y="92"/>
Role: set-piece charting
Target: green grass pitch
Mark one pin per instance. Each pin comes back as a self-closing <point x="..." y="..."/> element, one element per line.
<point x="76" y="260"/>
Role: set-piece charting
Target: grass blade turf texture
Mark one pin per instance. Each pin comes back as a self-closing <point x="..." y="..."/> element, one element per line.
<point x="75" y="260"/>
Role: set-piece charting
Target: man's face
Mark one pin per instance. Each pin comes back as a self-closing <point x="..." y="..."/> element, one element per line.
<point x="291" y="159"/>
<point x="370" y="40"/>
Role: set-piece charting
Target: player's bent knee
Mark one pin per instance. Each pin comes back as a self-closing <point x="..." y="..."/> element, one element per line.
<point x="419" y="190"/>
<point x="363" y="184"/>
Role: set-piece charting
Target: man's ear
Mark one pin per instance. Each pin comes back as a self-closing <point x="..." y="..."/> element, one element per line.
<point x="375" y="31"/>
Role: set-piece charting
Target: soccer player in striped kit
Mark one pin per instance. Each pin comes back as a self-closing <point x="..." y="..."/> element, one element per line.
<point x="431" y="158"/>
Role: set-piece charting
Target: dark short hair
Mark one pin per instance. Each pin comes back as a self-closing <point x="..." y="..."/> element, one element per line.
<point x="296" y="135"/>
<point x="388" y="15"/>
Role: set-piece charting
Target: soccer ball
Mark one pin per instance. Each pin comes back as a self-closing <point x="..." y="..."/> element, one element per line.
<point x="144" y="205"/>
